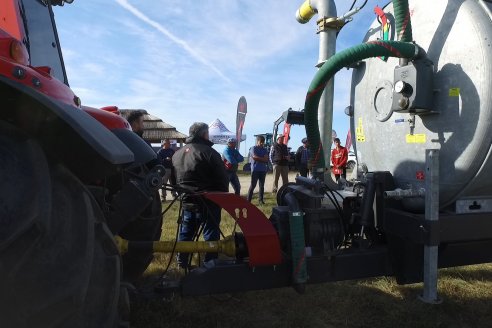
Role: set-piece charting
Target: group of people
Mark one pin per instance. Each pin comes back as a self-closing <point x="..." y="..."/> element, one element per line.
<point x="258" y="159"/>
<point x="279" y="157"/>
<point x="197" y="167"/>
<point x="339" y="158"/>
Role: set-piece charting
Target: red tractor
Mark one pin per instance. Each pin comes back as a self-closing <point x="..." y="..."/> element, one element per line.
<point x="72" y="177"/>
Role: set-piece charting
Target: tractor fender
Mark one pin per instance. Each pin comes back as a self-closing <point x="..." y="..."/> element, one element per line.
<point x="77" y="138"/>
<point x="120" y="127"/>
<point x="142" y="152"/>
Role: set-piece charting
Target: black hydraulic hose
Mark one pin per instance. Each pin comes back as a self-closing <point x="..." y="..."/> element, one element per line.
<point x="175" y="239"/>
<point x="353" y="4"/>
<point x="215" y="219"/>
<point x="339" y="210"/>
<point x="169" y="206"/>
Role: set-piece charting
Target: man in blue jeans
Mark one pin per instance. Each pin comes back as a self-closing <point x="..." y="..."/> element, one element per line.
<point x="279" y="156"/>
<point x="199" y="168"/>
<point x="258" y="157"/>
<point x="232" y="158"/>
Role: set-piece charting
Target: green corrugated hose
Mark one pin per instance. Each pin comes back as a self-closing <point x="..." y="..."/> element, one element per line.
<point x="403" y="21"/>
<point x="327" y="71"/>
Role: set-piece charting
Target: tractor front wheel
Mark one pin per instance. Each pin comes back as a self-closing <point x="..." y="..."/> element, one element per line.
<point x="59" y="265"/>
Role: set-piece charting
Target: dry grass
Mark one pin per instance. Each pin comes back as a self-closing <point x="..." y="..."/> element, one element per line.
<point x="379" y="302"/>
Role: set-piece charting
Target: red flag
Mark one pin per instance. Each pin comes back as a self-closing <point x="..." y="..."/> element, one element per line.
<point x="286" y="133"/>
<point x="348" y="142"/>
<point x="242" y="109"/>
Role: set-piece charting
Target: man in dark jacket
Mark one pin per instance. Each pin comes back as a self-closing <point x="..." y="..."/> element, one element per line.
<point x="232" y="158"/>
<point x="279" y="156"/>
<point x="199" y="168"/>
<point x="136" y="120"/>
<point x="165" y="155"/>
<point x="302" y="158"/>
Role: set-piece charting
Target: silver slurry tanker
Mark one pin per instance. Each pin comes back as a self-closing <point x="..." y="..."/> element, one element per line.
<point x="443" y="103"/>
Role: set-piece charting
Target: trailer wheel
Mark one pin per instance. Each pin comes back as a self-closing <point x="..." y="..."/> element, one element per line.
<point x="59" y="265"/>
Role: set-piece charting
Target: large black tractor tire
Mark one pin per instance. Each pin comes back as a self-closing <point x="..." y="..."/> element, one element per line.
<point x="59" y="265"/>
<point x="147" y="227"/>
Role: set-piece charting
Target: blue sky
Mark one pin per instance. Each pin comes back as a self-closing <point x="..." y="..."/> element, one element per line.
<point x="188" y="61"/>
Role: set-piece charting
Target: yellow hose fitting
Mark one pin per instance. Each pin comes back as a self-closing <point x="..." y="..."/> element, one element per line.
<point x="225" y="246"/>
<point x="228" y="246"/>
<point x="305" y="12"/>
<point x="122" y="244"/>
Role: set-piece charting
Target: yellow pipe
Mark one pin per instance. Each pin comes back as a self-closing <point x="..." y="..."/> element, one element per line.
<point x="122" y="244"/>
<point x="305" y="12"/>
<point x="226" y="246"/>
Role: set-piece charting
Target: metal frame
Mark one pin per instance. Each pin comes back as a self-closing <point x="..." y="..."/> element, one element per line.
<point x="413" y="248"/>
<point x="237" y="277"/>
<point x="431" y="215"/>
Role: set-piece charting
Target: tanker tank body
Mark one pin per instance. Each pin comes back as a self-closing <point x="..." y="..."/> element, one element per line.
<point x="450" y="108"/>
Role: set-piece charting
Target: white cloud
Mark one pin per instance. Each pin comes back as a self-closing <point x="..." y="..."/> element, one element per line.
<point x="188" y="60"/>
<point x="183" y="44"/>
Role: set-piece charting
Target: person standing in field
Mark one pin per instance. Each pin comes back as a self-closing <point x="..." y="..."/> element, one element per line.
<point x="302" y="158"/>
<point x="199" y="168"/>
<point x="165" y="155"/>
<point x="279" y="156"/>
<point x="136" y="120"/>
<point x="339" y="158"/>
<point x="232" y="158"/>
<point x="258" y="158"/>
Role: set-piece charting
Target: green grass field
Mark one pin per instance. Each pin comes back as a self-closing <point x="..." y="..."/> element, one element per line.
<point x="377" y="302"/>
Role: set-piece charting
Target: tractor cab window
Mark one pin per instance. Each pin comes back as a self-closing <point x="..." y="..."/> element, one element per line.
<point x="42" y="38"/>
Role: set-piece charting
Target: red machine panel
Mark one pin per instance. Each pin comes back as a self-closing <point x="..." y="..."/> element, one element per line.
<point x="261" y="238"/>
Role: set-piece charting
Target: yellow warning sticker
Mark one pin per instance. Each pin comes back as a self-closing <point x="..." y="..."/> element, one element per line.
<point x="454" y="92"/>
<point x="415" y="138"/>
<point x="359" y="131"/>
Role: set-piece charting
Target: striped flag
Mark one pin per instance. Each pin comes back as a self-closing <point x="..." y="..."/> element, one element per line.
<point x="286" y="133"/>
<point x="242" y="109"/>
<point x="348" y="142"/>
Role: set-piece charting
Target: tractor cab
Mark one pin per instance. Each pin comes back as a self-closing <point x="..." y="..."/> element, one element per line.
<point x="32" y="23"/>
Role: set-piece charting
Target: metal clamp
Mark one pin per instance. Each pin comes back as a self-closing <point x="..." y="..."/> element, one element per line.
<point x="326" y="23"/>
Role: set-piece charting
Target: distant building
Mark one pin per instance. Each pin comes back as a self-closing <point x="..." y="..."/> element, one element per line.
<point x="155" y="129"/>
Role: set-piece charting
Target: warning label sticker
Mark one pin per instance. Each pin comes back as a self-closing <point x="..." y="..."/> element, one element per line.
<point x="359" y="131"/>
<point x="415" y="138"/>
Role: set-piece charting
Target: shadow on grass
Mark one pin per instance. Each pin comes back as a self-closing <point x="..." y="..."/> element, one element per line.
<point x="375" y="302"/>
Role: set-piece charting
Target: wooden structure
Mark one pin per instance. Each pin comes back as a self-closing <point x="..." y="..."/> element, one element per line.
<point x="155" y="129"/>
